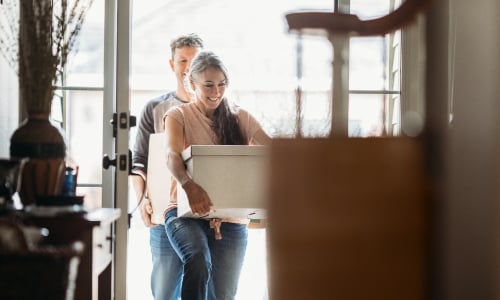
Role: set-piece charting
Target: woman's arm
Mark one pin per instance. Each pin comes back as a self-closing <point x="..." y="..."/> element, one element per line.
<point x="199" y="201"/>
<point x="252" y="129"/>
<point x="261" y="138"/>
<point x="174" y="143"/>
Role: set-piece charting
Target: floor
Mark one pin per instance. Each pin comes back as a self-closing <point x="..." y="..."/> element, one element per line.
<point x="253" y="280"/>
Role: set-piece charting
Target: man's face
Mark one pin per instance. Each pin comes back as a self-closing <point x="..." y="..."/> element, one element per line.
<point x="182" y="60"/>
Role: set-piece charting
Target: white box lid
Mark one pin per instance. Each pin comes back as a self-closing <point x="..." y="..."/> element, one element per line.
<point x="234" y="150"/>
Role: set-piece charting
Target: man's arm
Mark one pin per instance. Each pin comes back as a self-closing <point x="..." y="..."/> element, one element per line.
<point x="140" y="162"/>
<point x="145" y="128"/>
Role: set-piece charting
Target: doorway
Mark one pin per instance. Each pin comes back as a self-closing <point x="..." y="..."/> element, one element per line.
<point x="262" y="59"/>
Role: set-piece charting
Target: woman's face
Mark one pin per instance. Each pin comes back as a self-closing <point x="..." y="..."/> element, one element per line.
<point x="209" y="87"/>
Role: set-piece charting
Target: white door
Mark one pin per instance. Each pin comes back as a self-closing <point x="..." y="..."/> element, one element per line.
<point x="122" y="122"/>
<point x="94" y="90"/>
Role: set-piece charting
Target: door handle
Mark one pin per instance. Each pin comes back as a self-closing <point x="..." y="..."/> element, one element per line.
<point x="107" y="162"/>
<point x="123" y="163"/>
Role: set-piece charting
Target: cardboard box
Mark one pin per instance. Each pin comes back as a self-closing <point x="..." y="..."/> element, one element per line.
<point x="233" y="176"/>
<point x="158" y="177"/>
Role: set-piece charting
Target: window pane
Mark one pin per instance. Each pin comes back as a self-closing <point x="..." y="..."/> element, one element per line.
<point x="316" y="114"/>
<point x="260" y="103"/>
<point x="368" y="65"/>
<point x="371" y="9"/>
<point x="92" y="196"/>
<point x="86" y="63"/>
<point x="84" y="129"/>
<point x="317" y="58"/>
<point x="140" y="98"/>
<point x="366" y="114"/>
<point x="8" y="101"/>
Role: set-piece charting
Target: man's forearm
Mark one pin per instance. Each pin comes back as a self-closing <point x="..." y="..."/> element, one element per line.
<point x="139" y="184"/>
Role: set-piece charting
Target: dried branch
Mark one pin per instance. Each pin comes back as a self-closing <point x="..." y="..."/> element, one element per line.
<point x="36" y="39"/>
<point x="9" y="29"/>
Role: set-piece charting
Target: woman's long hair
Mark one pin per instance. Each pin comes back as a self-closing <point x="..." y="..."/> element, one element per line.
<point x="225" y="121"/>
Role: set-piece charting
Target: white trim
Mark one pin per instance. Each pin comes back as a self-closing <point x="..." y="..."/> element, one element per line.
<point x="413" y="72"/>
<point x="124" y="8"/>
<point x="340" y="85"/>
<point x="109" y="96"/>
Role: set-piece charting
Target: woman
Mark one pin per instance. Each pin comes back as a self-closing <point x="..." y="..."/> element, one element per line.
<point x="212" y="251"/>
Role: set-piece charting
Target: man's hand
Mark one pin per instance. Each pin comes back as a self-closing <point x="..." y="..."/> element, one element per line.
<point x="139" y="184"/>
<point x="146" y="211"/>
<point x="199" y="201"/>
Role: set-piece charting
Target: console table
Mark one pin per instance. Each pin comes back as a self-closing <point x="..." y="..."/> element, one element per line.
<point x="96" y="230"/>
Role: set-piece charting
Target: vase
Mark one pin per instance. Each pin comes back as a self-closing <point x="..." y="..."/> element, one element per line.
<point x="36" y="137"/>
<point x="44" y="146"/>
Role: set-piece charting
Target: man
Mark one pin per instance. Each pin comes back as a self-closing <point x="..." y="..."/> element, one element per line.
<point x="166" y="276"/>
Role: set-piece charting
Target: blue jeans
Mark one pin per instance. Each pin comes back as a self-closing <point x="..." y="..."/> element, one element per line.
<point x="211" y="267"/>
<point x="166" y="276"/>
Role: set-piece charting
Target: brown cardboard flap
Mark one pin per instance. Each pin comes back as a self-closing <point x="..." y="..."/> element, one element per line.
<point x="347" y="219"/>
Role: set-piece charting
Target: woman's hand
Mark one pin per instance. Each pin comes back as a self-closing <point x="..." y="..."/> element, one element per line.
<point x="198" y="198"/>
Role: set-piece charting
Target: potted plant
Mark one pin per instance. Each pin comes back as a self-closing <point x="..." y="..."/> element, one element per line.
<point x="36" y="39"/>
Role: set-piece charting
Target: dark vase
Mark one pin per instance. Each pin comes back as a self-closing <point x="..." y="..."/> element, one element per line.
<point x="43" y="144"/>
<point x="36" y="137"/>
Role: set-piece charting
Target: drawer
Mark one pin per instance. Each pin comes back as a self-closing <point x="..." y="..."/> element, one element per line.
<point x="101" y="247"/>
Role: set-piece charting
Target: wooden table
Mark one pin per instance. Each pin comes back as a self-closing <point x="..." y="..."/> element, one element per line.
<point x="96" y="230"/>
